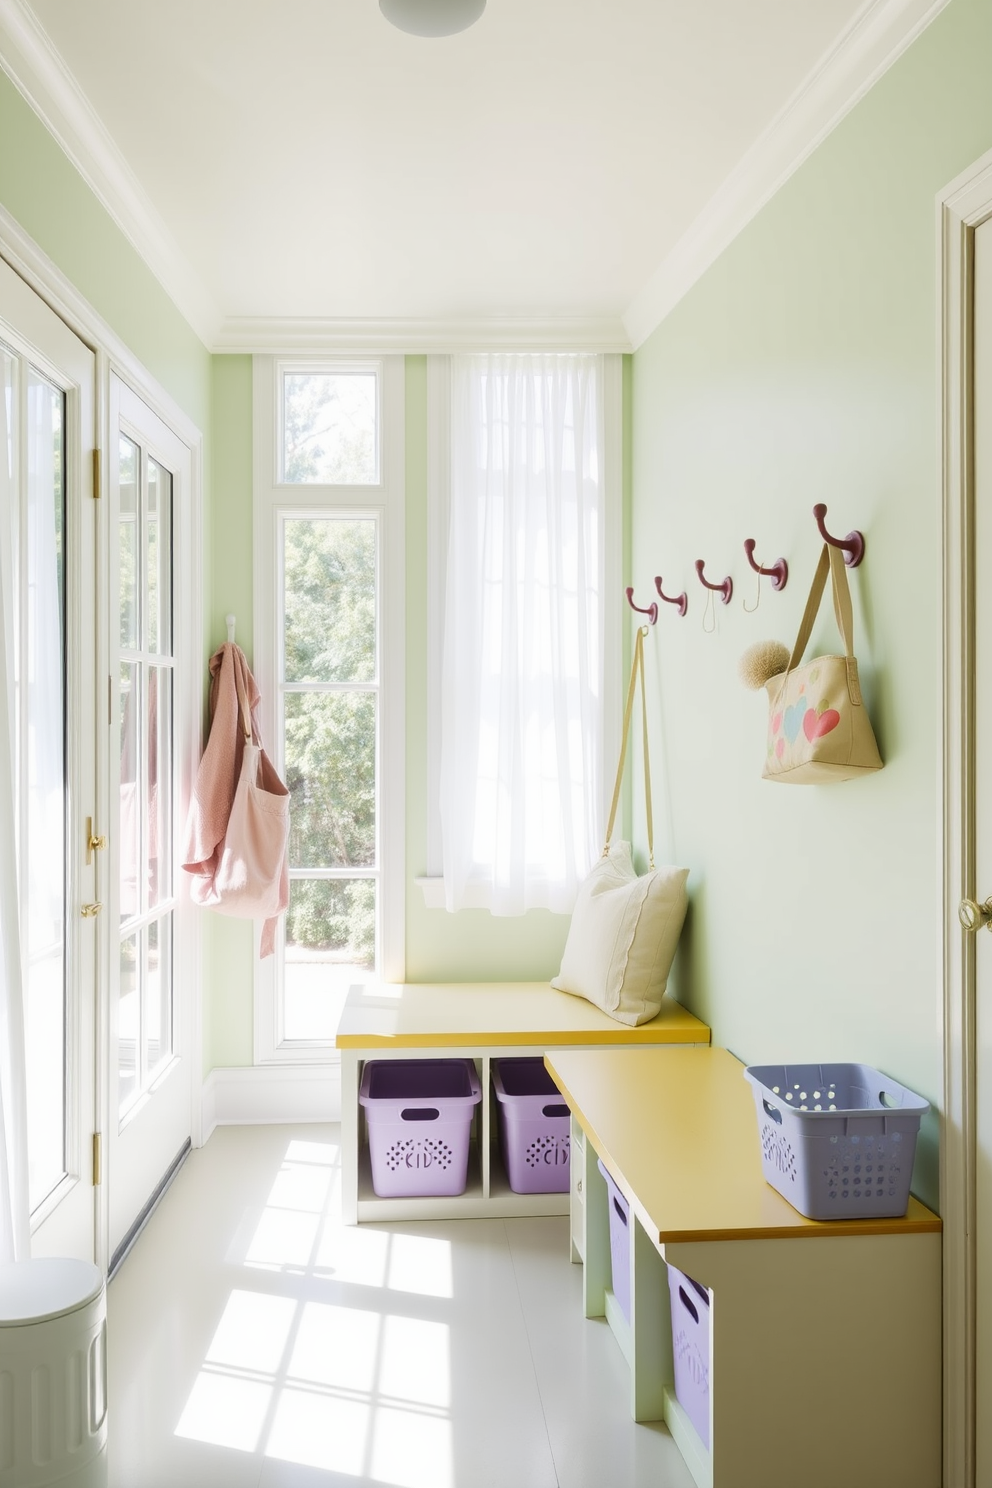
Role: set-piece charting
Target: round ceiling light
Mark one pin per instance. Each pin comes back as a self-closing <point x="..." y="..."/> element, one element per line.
<point x="432" y="17"/>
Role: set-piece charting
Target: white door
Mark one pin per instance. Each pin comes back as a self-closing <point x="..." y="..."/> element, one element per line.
<point x="153" y="700"/>
<point x="48" y="548"/>
<point x="983" y="1006"/>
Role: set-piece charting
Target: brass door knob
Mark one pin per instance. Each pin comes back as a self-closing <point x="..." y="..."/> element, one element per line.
<point x="88" y="911"/>
<point x="973" y="916"/>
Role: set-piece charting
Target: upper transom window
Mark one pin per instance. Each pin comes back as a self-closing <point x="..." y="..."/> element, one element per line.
<point x="329" y="426"/>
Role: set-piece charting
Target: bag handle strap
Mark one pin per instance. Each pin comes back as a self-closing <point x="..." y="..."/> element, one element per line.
<point x="830" y="559"/>
<point x="636" y="671"/>
<point x="242" y="697"/>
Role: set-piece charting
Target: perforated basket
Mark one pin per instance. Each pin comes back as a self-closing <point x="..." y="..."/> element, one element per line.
<point x="419" y="1114"/>
<point x="619" y="1242"/>
<point x="837" y="1140"/>
<point x="533" y="1126"/>
<point x="690" y="1304"/>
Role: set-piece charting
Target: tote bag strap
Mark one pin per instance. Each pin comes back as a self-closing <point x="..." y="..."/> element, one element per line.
<point x="242" y="695"/>
<point x="831" y="559"/>
<point x="636" y="672"/>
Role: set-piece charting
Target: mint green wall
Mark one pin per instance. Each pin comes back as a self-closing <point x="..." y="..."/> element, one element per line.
<point x="228" y="948"/>
<point x="803" y="367"/>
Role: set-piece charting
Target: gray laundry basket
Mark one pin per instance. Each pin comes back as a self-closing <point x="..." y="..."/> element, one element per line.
<point x="837" y="1140"/>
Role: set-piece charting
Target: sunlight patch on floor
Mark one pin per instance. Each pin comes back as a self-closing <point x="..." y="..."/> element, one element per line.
<point x="361" y="1390"/>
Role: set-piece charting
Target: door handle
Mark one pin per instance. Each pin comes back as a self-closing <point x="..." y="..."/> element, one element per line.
<point x="973" y="916"/>
<point x="89" y="911"/>
<point x="93" y="842"/>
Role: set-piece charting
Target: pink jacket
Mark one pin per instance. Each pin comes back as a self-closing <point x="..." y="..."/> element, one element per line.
<point x="217" y="779"/>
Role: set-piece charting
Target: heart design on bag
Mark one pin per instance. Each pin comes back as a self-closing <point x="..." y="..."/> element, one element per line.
<point x="818" y="724"/>
<point x="794" y="720"/>
<point x="815" y="725"/>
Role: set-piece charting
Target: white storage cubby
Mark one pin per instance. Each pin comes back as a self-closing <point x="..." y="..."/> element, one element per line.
<point x="479" y="1021"/>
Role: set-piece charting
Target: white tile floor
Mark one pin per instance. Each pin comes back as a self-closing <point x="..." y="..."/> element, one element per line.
<point x="255" y="1342"/>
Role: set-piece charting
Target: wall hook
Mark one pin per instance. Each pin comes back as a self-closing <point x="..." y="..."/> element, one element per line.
<point x="853" y="544"/>
<point x="778" y="572"/>
<point x="725" y="590"/>
<point x="651" y="611"/>
<point x="682" y="600"/>
<point x="230" y="621"/>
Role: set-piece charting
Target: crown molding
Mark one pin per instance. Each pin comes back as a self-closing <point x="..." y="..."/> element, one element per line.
<point x="37" y="71"/>
<point x="877" y="36"/>
<point x="420" y="337"/>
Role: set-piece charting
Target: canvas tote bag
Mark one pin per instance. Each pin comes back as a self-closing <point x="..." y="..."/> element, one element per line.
<point x="818" y="726"/>
<point x="625" y="928"/>
<point x="251" y="882"/>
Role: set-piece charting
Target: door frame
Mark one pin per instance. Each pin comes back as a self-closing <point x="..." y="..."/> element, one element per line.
<point x="961" y="207"/>
<point x="19" y="250"/>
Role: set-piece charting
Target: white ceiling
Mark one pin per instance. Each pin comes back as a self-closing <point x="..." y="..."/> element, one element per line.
<point x="564" y="161"/>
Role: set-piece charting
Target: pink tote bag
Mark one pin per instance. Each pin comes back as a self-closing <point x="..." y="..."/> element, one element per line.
<point x="251" y="881"/>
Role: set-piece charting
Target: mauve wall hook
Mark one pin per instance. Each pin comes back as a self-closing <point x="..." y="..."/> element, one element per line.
<point x="682" y="600"/>
<point x="651" y="611"/>
<point x="853" y="544"/>
<point x="778" y="571"/>
<point x="725" y="590"/>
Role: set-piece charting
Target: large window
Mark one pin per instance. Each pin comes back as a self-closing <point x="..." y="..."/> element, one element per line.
<point x="329" y="716"/>
<point x="328" y="530"/>
<point x="525" y="624"/>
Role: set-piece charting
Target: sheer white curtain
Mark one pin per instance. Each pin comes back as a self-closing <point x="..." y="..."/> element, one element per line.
<point x="14" y="1217"/>
<point x="522" y="668"/>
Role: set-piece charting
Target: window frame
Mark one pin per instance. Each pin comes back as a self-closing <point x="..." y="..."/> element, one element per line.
<point x="273" y="501"/>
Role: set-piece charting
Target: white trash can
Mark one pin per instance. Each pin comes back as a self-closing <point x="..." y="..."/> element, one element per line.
<point x="53" y="1375"/>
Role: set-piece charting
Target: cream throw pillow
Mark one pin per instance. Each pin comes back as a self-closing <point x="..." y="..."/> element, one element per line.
<point x="623" y="935"/>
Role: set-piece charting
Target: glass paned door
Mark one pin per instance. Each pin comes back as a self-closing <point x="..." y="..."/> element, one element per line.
<point x="48" y="567"/>
<point x="151" y="634"/>
<point x="329" y="714"/>
<point x="147" y="765"/>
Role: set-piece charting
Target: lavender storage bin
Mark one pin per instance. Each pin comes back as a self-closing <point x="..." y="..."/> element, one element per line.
<point x="619" y="1242"/>
<point x="419" y="1114"/>
<point x="837" y="1140"/>
<point x="691" y="1349"/>
<point x="533" y="1126"/>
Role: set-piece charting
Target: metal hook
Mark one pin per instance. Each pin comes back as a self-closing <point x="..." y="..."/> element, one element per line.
<point x="853" y="544"/>
<point x="651" y="611"/>
<point x="725" y="590"/>
<point x="682" y="600"/>
<point x="778" y="572"/>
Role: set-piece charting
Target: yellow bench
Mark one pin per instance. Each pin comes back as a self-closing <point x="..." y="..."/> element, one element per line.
<point x="480" y="1021"/>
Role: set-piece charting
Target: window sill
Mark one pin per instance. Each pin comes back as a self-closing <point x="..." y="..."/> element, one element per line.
<point x="478" y="896"/>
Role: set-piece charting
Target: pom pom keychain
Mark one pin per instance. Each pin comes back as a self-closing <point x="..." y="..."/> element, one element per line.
<point x="763" y="660"/>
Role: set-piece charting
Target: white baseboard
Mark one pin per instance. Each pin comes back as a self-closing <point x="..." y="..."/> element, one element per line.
<point x="267" y="1094"/>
